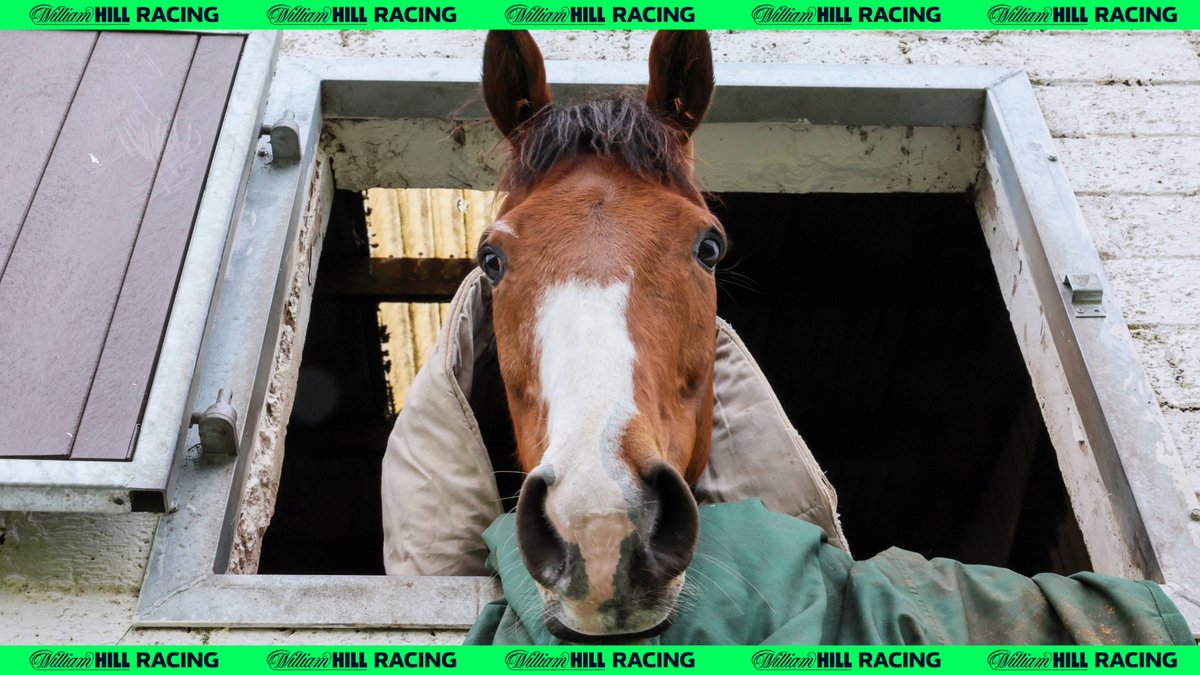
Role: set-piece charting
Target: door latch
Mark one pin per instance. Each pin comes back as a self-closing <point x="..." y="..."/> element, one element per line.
<point x="1087" y="295"/>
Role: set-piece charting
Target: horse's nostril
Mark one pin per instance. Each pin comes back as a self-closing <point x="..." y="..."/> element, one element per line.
<point x="542" y="549"/>
<point x="677" y="529"/>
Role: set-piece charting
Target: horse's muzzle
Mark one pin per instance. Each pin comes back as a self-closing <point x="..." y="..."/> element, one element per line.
<point x="601" y="585"/>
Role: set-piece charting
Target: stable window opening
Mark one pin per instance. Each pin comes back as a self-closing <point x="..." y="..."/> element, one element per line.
<point x="877" y="319"/>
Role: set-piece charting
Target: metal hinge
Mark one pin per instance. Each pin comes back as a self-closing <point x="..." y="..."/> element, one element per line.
<point x="285" y="140"/>
<point x="218" y="426"/>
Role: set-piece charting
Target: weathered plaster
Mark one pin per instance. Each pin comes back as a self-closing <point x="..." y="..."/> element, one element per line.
<point x="752" y="157"/>
<point x="266" y="455"/>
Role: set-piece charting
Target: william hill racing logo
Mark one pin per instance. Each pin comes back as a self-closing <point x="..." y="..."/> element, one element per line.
<point x="536" y="659"/>
<point x="589" y="15"/>
<point x="298" y="659"/>
<point x="1073" y="15"/>
<point x="775" y="659"/>
<point x="299" y="15"/>
<point x="113" y="15"/>
<point x="44" y="659"/>
<point x="1065" y="659"/>
<point x="832" y="15"/>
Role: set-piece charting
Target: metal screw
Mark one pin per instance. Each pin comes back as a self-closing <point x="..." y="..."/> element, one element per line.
<point x="1196" y="514"/>
<point x="173" y="506"/>
<point x="1052" y="158"/>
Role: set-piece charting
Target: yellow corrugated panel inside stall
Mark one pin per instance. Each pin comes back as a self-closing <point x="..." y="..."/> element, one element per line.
<point x="421" y="223"/>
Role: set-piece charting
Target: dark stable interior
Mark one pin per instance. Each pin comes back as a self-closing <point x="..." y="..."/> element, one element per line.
<point x="877" y="319"/>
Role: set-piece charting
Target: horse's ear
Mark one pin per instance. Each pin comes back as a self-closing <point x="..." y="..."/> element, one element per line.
<point x="514" y="78"/>
<point x="681" y="77"/>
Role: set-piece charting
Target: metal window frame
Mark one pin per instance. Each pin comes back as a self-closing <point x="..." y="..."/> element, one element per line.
<point x="1108" y="392"/>
<point x="111" y="487"/>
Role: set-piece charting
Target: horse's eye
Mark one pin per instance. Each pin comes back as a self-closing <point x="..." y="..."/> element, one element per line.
<point x="709" y="249"/>
<point x="492" y="262"/>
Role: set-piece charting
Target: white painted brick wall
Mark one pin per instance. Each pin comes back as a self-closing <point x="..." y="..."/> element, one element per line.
<point x="1132" y="151"/>
<point x="1185" y="427"/>
<point x="1173" y="353"/>
<point x="73" y="550"/>
<point x="1117" y="165"/>
<point x="1117" y="109"/>
<point x="1060" y="57"/>
<point x="1157" y="290"/>
<point x="1143" y="226"/>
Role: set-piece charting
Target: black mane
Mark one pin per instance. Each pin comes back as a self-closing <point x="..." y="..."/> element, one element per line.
<point x="619" y="125"/>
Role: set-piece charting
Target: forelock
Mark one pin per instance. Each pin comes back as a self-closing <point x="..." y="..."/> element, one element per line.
<point x="619" y="126"/>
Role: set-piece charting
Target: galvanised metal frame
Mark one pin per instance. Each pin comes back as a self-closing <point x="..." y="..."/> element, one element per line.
<point x="102" y="486"/>
<point x="1109" y="389"/>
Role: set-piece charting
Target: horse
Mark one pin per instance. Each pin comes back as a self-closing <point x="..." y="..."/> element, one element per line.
<point x="601" y="261"/>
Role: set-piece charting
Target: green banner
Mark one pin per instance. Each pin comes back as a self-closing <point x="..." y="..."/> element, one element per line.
<point x="582" y="14"/>
<point x="498" y="660"/>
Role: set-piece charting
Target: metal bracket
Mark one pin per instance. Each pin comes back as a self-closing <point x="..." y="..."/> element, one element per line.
<point x="285" y="141"/>
<point x="1087" y="296"/>
<point x="218" y="426"/>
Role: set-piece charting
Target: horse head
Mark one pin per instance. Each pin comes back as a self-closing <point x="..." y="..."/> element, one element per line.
<point x="601" y="261"/>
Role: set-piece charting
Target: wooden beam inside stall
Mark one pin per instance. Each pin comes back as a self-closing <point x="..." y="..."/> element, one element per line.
<point x="400" y="280"/>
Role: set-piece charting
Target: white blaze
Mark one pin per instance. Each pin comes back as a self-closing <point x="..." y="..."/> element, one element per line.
<point x="502" y="226"/>
<point x="586" y="372"/>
